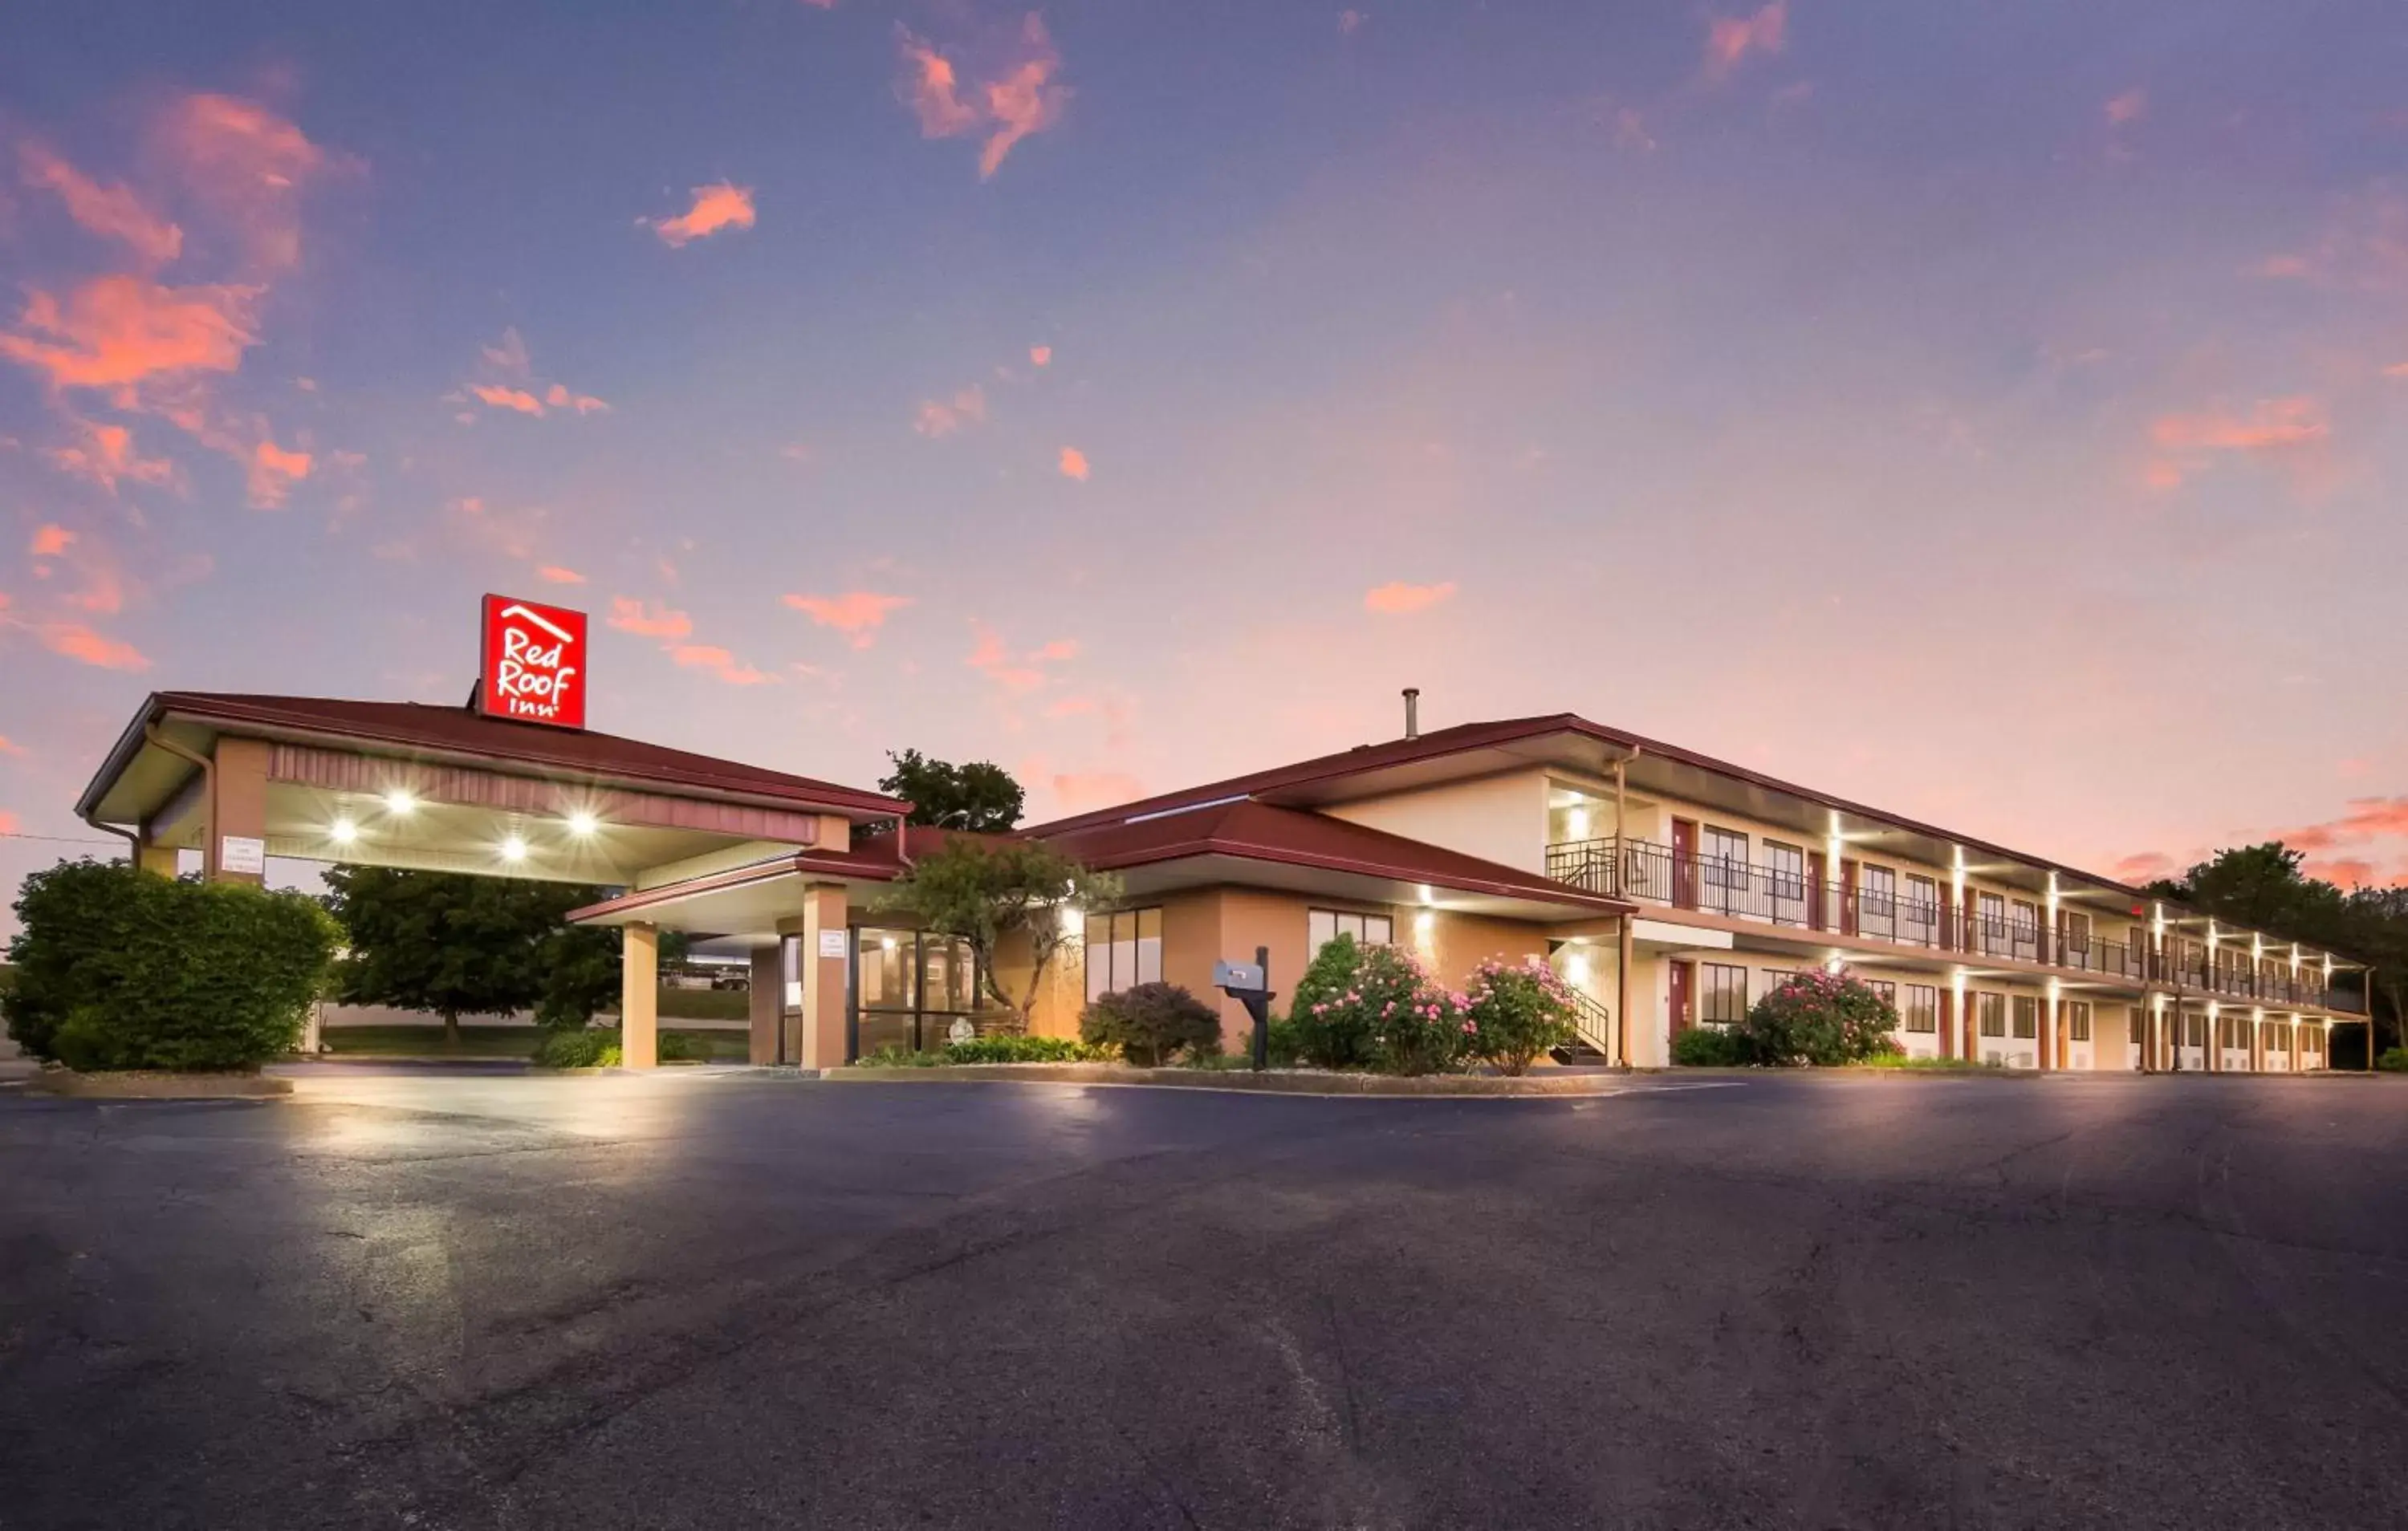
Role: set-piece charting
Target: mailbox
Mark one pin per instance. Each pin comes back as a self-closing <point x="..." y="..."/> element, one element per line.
<point x="1239" y="978"/>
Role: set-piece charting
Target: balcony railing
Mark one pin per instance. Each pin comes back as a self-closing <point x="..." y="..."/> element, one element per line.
<point x="1654" y="873"/>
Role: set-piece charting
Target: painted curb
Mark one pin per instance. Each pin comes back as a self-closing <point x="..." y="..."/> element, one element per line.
<point x="1276" y="1081"/>
<point x="153" y="1086"/>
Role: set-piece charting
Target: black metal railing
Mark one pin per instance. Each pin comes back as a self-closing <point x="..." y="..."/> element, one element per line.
<point x="1654" y="873"/>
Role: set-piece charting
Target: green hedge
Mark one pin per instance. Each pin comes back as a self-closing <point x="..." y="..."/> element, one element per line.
<point x="598" y="1047"/>
<point x="121" y="969"/>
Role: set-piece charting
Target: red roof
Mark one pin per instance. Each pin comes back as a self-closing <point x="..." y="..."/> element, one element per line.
<point x="1260" y="832"/>
<point x="459" y="730"/>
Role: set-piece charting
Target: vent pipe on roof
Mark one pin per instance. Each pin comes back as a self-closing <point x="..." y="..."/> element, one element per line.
<point x="1412" y="712"/>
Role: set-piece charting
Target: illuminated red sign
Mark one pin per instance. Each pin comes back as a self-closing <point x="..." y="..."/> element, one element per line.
<point x="533" y="668"/>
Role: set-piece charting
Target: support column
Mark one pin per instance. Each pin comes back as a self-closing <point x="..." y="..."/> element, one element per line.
<point x="825" y="971"/>
<point x="768" y="974"/>
<point x="1948" y="997"/>
<point x="157" y="858"/>
<point x="239" y="808"/>
<point x="1622" y="991"/>
<point x="2047" y="1028"/>
<point x="640" y="995"/>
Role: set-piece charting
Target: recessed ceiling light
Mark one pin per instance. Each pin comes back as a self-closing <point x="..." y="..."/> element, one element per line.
<point x="399" y="801"/>
<point x="514" y="849"/>
<point x="581" y="823"/>
<point x="342" y="832"/>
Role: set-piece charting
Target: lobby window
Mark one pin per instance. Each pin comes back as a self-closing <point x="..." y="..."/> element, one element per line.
<point x="1922" y="1008"/>
<point x="1991" y="1011"/>
<point x="2077" y="1020"/>
<point x="1323" y="927"/>
<point x="2027" y="1017"/>
<point x="1721" y="992"/>
<point x="1123" y="950"/>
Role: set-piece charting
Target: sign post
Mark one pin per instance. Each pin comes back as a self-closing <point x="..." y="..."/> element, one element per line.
<point x="1249" y="984"/>
<point x="532" y="667"/>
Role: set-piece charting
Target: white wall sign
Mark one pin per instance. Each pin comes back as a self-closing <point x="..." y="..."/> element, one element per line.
<point x="242" y="853"/>
<point x="831" y="943"/>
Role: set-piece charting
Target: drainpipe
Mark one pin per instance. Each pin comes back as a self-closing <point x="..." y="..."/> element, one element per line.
<point x="1412" y="712"/>
<point x="150" y="735"/>
<point x="133" y="837"/>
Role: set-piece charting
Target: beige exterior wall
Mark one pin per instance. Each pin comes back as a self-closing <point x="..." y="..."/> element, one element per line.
<point x="1202" y="927"/>
<point x="1501" y="818"/>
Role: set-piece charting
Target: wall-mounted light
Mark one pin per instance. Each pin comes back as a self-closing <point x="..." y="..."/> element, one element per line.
<point x="1576" y="823"/>
<point x="886" y="943"/>
<point x="1074" y="921"/>
<point x="1427" y="896"/>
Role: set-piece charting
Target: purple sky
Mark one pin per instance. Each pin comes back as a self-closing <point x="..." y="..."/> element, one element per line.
<point x="1988" y="410"/>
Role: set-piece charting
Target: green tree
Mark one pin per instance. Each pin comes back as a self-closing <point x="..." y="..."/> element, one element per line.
<point x="456" y="944"/>
<point x="989" y="893"/>
<point x="981" y="796"/>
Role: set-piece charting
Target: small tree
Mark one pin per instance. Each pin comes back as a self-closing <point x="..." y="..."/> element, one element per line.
<point x="1820" y="1017"/>
<point x="981" y="796"/>
<point x="1151" y="1023"/>
<point x="119" y="969"/>
<point x="457" y="944"/>
<point x="988" y="892"/>
<point x="1517" y="1010"/>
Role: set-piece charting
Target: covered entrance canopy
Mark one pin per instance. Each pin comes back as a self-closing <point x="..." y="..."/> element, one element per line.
<point x="240" y="778"/>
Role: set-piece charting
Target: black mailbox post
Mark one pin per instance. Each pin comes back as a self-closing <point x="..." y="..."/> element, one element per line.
<point x="1249" y="984"/>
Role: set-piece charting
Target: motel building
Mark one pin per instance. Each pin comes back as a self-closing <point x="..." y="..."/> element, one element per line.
<point x="1669" y="889"/>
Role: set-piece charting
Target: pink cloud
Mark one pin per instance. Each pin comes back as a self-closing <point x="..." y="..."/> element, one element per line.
<point x="1074" y="463"/>
<point x="1019" y="99"/>
<point x="648" y="618"/>
<point x="74" y="640"/>
<point x="1729" y="39"/>
<point x="559" y="397"/>
<point x="2368" y="819"/>
<point x="1397" y="598"/>
<point x="2273" y="425"/>
<point x="990" y="658"/>
<point x="508" y="398"/>
<point x="12" y="748"/>
<point x="720" y="663"/>
<point x="2130" y="106"/>
<point x="8" y="822"/>
<point x="50" y="541"/>
<point x="1039" y="356"/>
<point x="2145" y="867"/>
<point x="938" y="418"/>
<point x="1058" y="652"/>
<point x="857" y="613"/>
<point x="274" y="471"/>
<point x="1351" y="22"/>
<point x="553" y="574"/>
<point x="716" y="207"/>
<point x="510" y="356"/>
<point x="1078" y="791"/>
<point x="248" y="166"/>
<point x="1070" y="707"/>
<point x="112" y="212"/>
<point x="116" y="331"/>
<point x="105" y="453"/>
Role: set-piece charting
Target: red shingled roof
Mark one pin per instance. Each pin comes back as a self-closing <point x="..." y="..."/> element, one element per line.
<point x="459" y="730"/>
<point x="1260" y="832"/>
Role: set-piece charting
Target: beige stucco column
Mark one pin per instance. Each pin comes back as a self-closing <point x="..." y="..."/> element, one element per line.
<point x="824" y="962"/>
<point x="238" y="806"/>
<point x="157" y="858"/>
<point x="639" y="995"/>
<point x="769" y="980"/>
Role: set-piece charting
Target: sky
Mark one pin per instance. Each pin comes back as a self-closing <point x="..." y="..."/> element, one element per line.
<point x="1992" y="411"/>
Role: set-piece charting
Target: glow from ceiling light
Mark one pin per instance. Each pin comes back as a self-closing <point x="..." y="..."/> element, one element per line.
<point x="398" y="801"/>
<point x="582" y="825"/>
<point x="514" y="849"/>
<point x="342" y="832"/>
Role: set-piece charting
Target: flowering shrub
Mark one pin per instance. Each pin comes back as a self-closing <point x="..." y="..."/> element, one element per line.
<point x="1516" y="1011"/>
<point x="1820" y="1017"/>
<point x="1377" y="1006"/>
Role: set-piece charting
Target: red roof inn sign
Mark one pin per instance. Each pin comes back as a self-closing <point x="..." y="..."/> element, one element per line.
<point x="534" y="666"/>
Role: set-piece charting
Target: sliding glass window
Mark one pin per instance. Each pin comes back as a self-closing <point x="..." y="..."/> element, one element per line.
<point x="1123" y="950"/>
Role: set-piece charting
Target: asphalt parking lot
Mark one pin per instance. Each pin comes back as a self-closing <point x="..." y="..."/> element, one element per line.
<point x="730" y="1299"/>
